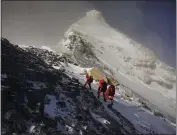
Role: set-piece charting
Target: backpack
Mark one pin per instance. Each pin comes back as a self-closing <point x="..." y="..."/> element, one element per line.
<point x="111" y="90"/>
<point x="91" y="78"/>
<point x="104" y="86"/>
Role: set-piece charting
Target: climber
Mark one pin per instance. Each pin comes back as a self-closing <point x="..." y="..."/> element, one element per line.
<point x="110" y="92"/>
<point x="102" y="88"/>
<point x="89" y="80"/>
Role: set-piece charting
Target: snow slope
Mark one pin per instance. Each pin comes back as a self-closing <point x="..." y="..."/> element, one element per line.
<point x="131" y="64"/>
<point x="143" y="120"/>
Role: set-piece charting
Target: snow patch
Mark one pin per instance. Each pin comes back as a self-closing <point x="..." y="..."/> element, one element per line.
<point x="100" y="119"/>
<point x="47" y="48"/>
<point x="50" y="108"/>
<point x="56" y="67"/>
<point x="62" y="107"/>
<point x="70" y="129"/>
<point x="32" y="129"/>
<point x="23" y="46"/>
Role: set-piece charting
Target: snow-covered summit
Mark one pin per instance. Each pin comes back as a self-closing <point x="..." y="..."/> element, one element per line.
<point x="131" y="63"/>
<point x="95" y="14"/>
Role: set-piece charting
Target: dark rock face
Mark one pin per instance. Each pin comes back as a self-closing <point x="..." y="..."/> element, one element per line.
<point x="26" y="77"/>
<point x="48" y="56"/>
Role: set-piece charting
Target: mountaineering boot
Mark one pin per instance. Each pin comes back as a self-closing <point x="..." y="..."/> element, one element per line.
<point x="111" y="102"/>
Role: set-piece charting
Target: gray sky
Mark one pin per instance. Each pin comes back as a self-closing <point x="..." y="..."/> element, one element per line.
<point x="38" y="23"/>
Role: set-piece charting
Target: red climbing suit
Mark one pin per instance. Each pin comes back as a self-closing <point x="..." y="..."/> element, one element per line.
<point x="101" y="82"/>
<point x="102" y="88"/>
<point x="110" y="92"/>
<point x="87" y="76"/>
<point x="88" y="81"/>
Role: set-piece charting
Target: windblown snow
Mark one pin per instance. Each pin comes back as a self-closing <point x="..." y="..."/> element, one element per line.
<point x="133" y="65"/>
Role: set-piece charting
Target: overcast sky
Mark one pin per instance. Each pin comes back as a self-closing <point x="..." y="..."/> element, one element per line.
<point x="38" y="23"/>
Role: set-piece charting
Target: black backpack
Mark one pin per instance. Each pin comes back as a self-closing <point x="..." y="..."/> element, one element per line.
<point x="91" y="78"/>
<point x="104" y="86"/>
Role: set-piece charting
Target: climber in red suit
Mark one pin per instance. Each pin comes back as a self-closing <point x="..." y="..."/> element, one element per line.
<point x="89" y="80"/>
<point x="102" y="88"/>
<point x="110" y="92"/>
